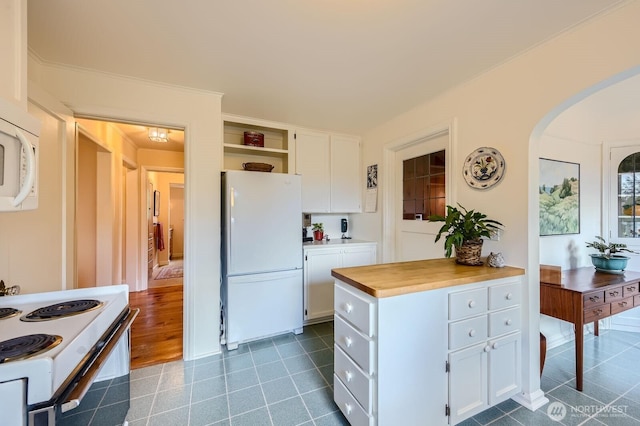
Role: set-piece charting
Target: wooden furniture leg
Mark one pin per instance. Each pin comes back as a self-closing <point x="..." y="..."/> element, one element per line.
<point x="543" y="352"/>
<point x="596" y="329"/>
<point x="579" y="332"/>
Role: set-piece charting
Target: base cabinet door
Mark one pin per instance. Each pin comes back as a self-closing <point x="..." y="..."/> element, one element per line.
<point x="359" y="256"/>
<point x="504" y="368"/>
<point x="467" y="382"/>
<point x="318" y="282"/>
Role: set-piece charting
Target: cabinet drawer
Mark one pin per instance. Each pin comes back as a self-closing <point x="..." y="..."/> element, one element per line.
<point x="359" y="347"/>
<point x="355" y="414"/>
<point x="467" y="332"/>
<point x="613" y="294"/>
<point x="467" y="303"/>
<point x="355" y="309"/>
<point x="593" y="299"/>
<point x="636" y="300"/>
<point x="504" y="295"/>
<point x="596" y="312"/>
<point x="359" y="384"/>
<point x="621" y="305"/>
<point x="503" y="322"/>
<point x="629" y="290"/>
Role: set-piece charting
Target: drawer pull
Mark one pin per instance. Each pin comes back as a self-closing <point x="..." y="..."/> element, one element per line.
<point x="348" y="307"/>
<point x="348" y="408"/>
<point x="622" y="304"/>
<point x="348" y="375"/>
<point x="495" y="345"/>
<point x="472" y="332"/>
<point x="594" y="298"/>
<point x="508" y="322"/>
<point x="472" y="304"/>
<point x="597" y="311"/>
<point x="631" y="288"/>
<point x="348" y="341"/>
<point x="487" y="348"/>
<point x="509" y="296"/>
<point x="614" y="293"/>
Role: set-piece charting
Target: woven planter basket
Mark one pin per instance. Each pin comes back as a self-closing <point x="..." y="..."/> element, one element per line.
<point x="469" y="253"/>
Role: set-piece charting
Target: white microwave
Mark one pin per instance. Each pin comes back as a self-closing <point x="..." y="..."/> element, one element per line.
<point x="19" y="155"/>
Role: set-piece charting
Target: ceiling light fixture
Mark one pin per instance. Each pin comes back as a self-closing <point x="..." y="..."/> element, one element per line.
<point x="157" y="134"/>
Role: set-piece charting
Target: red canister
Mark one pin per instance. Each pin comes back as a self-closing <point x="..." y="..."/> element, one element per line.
<point x="254" y="139"/>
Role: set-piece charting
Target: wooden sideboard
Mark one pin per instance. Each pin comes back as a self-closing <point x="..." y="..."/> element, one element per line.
<point x="586" y="296"/>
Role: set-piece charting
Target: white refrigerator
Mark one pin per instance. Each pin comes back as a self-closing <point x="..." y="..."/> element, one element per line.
<point x="262" y="284"/>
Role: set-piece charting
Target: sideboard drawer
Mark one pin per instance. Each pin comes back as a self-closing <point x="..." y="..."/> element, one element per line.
<point x="358" y="383"/>
<point x="596" y="312"/>
<point x="503" y="322"/>
<point x="355" y="414"/>
<point x="467" y="303"/>
<point x="630" y="289"/>
<point x="357" y="346"/>
<point x="613" y="294"/>
<point x="593" y="299"/>
<point x="467" y="332"/>
<point x="621" y="305"/>
<point x="355" y="309"/>
<point x="504" y="295"/>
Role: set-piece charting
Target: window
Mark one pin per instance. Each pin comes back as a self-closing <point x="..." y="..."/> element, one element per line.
<point x="423" y="186"/>
<point x="629" y="196"/>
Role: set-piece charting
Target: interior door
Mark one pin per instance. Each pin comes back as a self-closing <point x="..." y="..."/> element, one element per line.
<point x="415" y="236"/>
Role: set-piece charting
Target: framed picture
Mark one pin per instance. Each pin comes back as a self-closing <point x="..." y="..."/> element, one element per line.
<point x="559" y="191"/>
<point x="156" y="203"/>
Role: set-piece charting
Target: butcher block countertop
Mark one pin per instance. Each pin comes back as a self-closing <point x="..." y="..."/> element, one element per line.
<point x="394" y="279"/>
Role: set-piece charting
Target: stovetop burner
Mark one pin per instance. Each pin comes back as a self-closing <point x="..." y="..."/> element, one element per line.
<point x="61" y="310"/>
<point x="26" y="346"/>
<point x="9" y="313"/>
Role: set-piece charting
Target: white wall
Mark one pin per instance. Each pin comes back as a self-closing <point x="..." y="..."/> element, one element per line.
<point x="199" y="112"/>
<point x="508" y="108"/>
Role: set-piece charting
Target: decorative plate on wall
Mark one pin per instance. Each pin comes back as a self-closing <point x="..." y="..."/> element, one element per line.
<point x="483" y="168"/>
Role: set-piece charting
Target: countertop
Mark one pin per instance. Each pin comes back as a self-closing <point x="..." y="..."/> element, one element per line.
<point x="334" y="242"/>
<point x="394" y="279"/>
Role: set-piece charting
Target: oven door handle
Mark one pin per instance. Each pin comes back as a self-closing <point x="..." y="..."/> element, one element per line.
<point x="85" y="382"/>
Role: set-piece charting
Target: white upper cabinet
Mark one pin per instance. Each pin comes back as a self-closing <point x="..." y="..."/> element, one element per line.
<point x="313" y="163"/>
<point x="330" y="169"/>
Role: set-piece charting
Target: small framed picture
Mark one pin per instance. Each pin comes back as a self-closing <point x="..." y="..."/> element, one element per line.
<point x="156" y="203"/>
<point x="372" y="176"/>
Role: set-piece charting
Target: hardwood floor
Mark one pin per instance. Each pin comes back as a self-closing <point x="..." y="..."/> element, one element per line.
<point x="156" y="335"/>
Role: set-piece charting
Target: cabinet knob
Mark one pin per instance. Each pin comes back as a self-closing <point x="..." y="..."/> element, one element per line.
<point x="472" y="303"/>
<point x="508" y="322"/>
<point x="348" y="341"/>
<point x="348" y="375"/>
<point x="487" y="348"/>
<point x="509" y="296"/>
<point x="472" y="332"/>
<point x="348" y="408"/>
<point x="348" y="307"/>
<point x="495" y="345"/>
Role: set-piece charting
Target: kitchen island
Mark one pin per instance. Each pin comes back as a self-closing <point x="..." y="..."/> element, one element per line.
<point x="425" y="341"/>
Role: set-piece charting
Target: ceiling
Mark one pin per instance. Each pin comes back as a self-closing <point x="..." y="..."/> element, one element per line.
<point x="338" y="65"/>
<point x="139" y="136"/>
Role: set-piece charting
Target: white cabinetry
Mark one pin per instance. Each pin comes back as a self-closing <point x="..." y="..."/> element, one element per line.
<point x="278" y="145"/>
<point x="319" y="260"/>
<point x="330" y="169"/>
<point x="484" y="348"/>
<point x="423" y="355"/>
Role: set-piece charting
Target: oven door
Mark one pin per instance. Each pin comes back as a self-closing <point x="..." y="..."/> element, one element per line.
<point x="80" y="401"/>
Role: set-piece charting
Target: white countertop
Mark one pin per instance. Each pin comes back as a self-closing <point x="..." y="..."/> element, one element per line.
<point x="333" y="242"/>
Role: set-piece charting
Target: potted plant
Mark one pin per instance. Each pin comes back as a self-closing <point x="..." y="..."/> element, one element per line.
<point x="606" y="260"/>
<point x="464" y="230"/>
<point x="318" y="231"/>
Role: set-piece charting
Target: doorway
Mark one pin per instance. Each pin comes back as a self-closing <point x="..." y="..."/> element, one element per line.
<point x="127" y="198"/>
